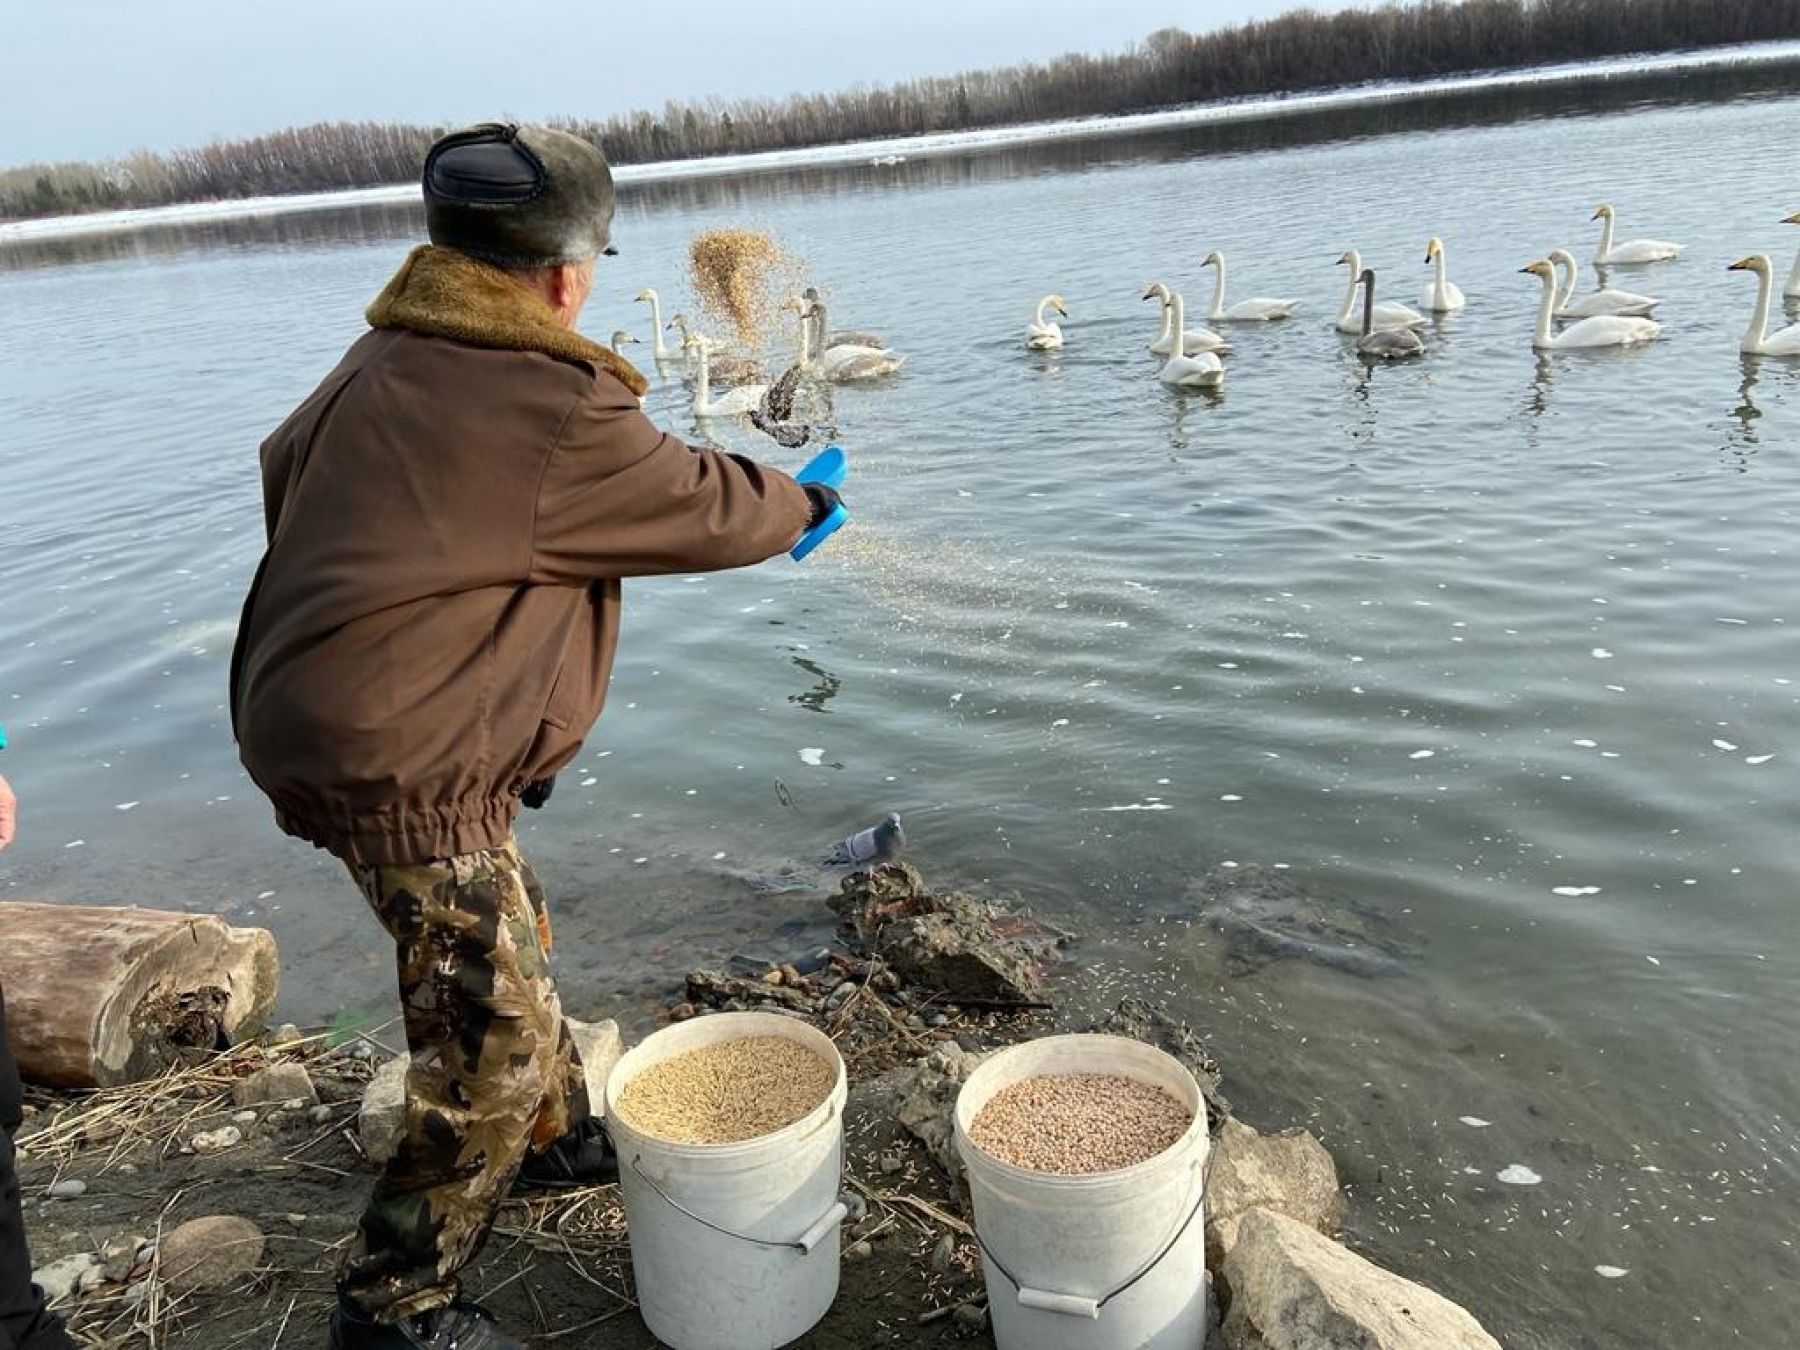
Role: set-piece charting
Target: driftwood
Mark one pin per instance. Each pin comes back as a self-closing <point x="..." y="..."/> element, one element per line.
<point x="96" y="997"/>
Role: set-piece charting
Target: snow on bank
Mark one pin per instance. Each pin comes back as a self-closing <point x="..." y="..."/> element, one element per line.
<point x="896" y="149"/>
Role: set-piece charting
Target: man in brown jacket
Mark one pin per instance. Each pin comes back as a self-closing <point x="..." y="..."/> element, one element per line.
<point x="428" y="640"/>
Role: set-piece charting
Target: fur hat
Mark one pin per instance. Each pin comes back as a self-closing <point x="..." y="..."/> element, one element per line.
<point x="517" y="196"/>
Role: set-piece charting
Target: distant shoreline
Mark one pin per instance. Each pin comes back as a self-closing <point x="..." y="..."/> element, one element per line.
<point x="895" y="150"/>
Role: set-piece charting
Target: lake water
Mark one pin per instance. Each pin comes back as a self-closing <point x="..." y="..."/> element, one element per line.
<point x="1497" y="646"/>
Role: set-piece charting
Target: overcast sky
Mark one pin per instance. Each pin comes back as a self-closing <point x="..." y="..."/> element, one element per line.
<point x="82" y="79"/>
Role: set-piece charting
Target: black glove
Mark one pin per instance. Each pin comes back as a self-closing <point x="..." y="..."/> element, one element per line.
<point x="823" y="500"/>
<point x="537" y="792"/>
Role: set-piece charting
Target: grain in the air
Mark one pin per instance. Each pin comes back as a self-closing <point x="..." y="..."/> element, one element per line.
<point x="737" y="276"/>
<point x="1074" y="1123"/>
<point x="727" y="1092"/>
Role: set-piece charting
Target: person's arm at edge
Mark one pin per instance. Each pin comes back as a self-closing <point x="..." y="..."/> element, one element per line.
<point x="9" y="812"/>
<point x="622" y="498"/>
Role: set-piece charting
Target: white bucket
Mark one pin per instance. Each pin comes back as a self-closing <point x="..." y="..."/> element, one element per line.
<point x="1106" y="1261"/>
<point x="734" y="1246"/>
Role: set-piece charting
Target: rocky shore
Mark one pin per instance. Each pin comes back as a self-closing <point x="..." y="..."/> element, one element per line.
<point x="208" y="1207"/>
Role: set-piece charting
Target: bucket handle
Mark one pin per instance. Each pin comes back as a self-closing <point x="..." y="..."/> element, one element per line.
<point x="803" y="1244"/>
<point x="1080" y="1305"/>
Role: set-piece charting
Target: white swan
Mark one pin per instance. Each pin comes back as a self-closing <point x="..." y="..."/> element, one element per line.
<point x="1632" y="251"/>
<point x="1041" y="335"/>
<point x="1258" y="310"/>
<point x="1609" y="301"/>
<point x="1792" y="289"/>
<point x="1201" y="371"/>
<point x="1384" y="344"/>
<point x="1194" y="340"/>
<point x="733" y="402"/>
<point x="1442" y="296"/>
<point x="661" y="349"/>
<point x="1603" y="330"/>
<point x="1758" y="340"/>
<point x="620" y="339"/>
<point x="1388" y="313"/>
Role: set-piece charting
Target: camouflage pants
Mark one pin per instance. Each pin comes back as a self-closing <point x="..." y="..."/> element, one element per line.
<point x="494" y="1072"/>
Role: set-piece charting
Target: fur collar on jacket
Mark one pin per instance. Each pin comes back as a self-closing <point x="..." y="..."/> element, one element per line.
<point x="447" y="294"/>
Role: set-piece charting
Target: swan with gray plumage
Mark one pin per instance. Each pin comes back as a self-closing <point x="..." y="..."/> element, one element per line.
<point x="1387" y="314"/>
<point x="1384" y="344"/>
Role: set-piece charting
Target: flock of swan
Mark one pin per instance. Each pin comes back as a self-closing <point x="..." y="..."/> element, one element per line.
<point x="1385" y="330"/>
<point x="822" y="353"/>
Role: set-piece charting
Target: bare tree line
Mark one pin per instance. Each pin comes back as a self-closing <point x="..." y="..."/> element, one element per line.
<point x="1297" y="51"/>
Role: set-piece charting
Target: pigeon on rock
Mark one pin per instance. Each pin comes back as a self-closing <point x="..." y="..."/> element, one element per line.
<point x="871" y="847"/>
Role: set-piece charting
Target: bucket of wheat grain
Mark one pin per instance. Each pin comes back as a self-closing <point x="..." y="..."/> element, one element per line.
<point x="730" y="1135"/>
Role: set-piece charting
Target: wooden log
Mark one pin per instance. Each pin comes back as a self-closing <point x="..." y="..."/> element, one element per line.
<point x="98" y="996"/>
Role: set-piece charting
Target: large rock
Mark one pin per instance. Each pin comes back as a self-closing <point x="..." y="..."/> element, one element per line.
<point x="68" y="1278"/>
<point x="1265" y="915"/>
<point x="1289" y="1173"/>
<point x="1292" y="1289"/>
<point x="275" y="1084"/>
<point x="600" y="1047"/>
<point x="925" y="1100"/>
<point x="382" y="1119"/>
<point x="210" y="1253"/>
<point x="948" y="941"/>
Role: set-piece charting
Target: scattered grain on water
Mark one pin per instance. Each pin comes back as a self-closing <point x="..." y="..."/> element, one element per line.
<point x="1075" y="1123"/>
<point x="740" y="278"/>
<point x="729" y="1092"/>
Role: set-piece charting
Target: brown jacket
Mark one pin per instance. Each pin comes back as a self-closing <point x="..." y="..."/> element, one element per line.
<point x="449" y="514"/>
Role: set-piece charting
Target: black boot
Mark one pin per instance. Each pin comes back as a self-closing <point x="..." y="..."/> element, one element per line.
<point x="461" y="1326"/>
<point x="582" y="1157"/>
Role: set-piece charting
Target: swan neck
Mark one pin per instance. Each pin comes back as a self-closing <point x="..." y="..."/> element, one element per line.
<point x="1758" y="332"/>
<point x="1568" y="290"/>
<point x="702" y="382"/>
<point x="661" y="348"/>
<point x="1606" y="238"/>
<point x="1168" y="320"/>
<point x="1218" y="303"/>
<point x="1442" y="293"/>
<point x="1355" y="265"/>
<point x="1042" y="305"/>
<point x="1177" y="322"/>
<point x="1544" y="307"/>
<point x="1793" y="280"/>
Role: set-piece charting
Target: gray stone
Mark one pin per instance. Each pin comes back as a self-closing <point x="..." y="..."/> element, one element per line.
<point x="320" y="1115"/>
<point x="279" y="1083"/>
<point x="244" y="1118"/>
<point x="600" y="1048"/>
<point x="68" y="1278"/>
<point x="285" y="1034"/>
<point x="383" y="1115"/>
<point x="121" y="1255"/>
<point x="217" y="1141"/>
<point x="858" y="1251"/>
<point x="943" y="1255"/>
<point x="1290" y="1173"/>
<point x="210" y="1253"/>
<point x="71" y="1188"/>
<point x="1292" y="1289"/>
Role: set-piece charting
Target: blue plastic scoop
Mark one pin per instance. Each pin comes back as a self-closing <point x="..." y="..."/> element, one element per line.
<point x="830" y="467"/>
